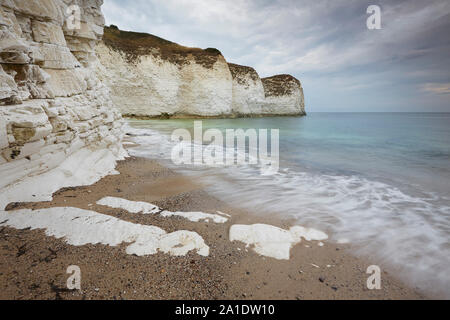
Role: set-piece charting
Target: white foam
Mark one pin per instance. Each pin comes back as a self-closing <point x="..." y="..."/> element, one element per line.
<point x="309" y="234"/>
<point x="148" y="208"/>
<point x="271" y="241"/>
<point x="401" y="226"/>
<point x="81" y="227"/>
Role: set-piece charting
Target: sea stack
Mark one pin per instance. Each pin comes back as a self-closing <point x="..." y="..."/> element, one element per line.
<point x="284" y="96"/>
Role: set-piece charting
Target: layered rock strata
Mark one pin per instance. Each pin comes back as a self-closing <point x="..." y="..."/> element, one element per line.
<point x="283" y="96"/>
<point x="53" y="108"/>
<point x="152" y="77"/>
<point x="149" y="76"/>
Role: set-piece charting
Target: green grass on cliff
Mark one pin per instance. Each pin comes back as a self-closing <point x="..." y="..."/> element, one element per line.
<point x="136" y="44"/>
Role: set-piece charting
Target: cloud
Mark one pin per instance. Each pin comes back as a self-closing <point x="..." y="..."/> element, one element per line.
<point x="318" y="41"/>
<point x="437" y="88"/>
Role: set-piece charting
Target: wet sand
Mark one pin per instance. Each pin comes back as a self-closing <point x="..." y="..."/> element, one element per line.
<point x="33" y="265"/>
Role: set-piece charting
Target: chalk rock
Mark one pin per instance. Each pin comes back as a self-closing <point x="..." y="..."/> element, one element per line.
<point x="271" y="241"/>
<point x="3" y="19"/>
<point x="4" y="143"/>
<point x="8" y="87"/>
<point x="152" y="77"/>
<point x="48" y="33"/>
<point x="45" y="9"/>
<point x="12" y="49"/>
<point x="284" y="96"/>
<point x="52" y="105"/>
<point x="248" y="91"/>
<point x="57" y="57"/>
<point x="149" y="76"/>
<point x="30" y="80"/>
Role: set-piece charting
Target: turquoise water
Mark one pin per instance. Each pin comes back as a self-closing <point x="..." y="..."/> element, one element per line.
<point x="378" y="180"/>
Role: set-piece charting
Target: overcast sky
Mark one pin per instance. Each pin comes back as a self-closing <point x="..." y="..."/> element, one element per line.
<point x="326" y="44"/>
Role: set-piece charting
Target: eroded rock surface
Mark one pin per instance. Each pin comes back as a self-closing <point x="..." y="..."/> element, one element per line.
<point x="52" y="105"/>
<point x="283" y="95"/>
<point x="152" y="77"/>
<point x="149" y="76"/>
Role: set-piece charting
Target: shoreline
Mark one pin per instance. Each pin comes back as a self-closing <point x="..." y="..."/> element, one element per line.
<point x="200" y="117"/>
<point x="33" y="264"/>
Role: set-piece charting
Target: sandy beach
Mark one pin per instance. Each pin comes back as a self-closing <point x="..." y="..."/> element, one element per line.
<point x="33" y="265"/>
<point x="217" y="150"/>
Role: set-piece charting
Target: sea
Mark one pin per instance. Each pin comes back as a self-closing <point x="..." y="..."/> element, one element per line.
<point x="379" y="181"/>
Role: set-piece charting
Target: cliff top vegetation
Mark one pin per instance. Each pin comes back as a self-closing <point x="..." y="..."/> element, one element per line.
<point x="136" y="44"/>
<point x="280" y="85"/>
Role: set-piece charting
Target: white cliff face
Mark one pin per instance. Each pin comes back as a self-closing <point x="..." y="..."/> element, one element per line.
<point x="152" y="77"/>
<point x="54" y="111"/>
<point x="284" y="96"/>
<point x="172" y="84"/>
<point x="248" y="91"/>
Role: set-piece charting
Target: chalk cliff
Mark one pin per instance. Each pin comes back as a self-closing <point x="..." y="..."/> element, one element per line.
<point x="149" y="76"/>
<point x="58" y="125"/>
<point x="152" y="77"/>
<point x="283" y="95"/>
<point x="248" y="91"/>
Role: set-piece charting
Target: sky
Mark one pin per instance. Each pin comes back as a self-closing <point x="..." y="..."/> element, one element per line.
<point x="342" y="65"/>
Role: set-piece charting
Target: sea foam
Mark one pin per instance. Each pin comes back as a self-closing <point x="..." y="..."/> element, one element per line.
<point x="404" y="232"/>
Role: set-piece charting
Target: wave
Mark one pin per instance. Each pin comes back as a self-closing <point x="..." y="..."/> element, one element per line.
<point x="407" y="233"/>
